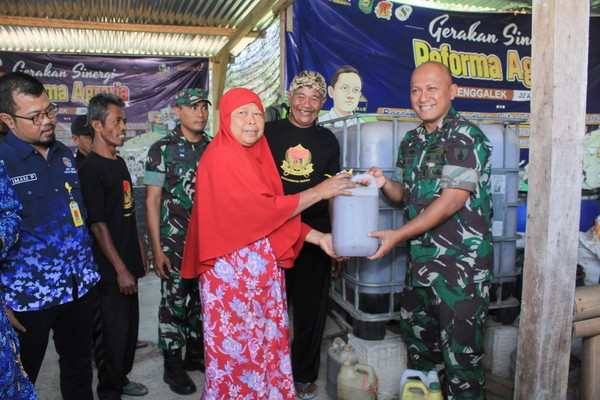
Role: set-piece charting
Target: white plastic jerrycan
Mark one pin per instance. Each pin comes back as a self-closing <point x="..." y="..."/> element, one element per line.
<point x="356" y="382"/>
<point x="415" y="385"/>
<point x="354" y="217"/>
<point x="336" y="355"/>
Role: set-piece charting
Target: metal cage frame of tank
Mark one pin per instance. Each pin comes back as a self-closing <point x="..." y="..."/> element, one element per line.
<point x="350" y="302"/>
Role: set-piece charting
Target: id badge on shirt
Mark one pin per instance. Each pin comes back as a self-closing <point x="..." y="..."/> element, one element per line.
<point x="74" y="207"/>
<point x="75" y="213"/>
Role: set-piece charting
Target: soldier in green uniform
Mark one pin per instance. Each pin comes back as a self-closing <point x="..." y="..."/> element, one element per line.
<point x="442" y="177"/>
<point x="170" y="181"/>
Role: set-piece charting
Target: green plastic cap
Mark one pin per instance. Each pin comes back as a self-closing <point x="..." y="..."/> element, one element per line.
<point x="435" y="386"/>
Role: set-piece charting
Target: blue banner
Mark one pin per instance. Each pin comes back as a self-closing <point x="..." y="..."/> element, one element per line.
<point x="489" y="55"/>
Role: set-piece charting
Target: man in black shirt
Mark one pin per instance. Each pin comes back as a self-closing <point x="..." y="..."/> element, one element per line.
<point x="120" y="254"/>
<point x="305" y="153"/>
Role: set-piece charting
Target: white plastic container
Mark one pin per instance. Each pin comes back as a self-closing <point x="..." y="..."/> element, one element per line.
<point x="356" y="382"/>
<point x="498" y="343"/>
<point x="336" y="355"/>
<point x="416" y="385"/>
<point x="367" y="286"/>
<point x="388" y="357"/>
<point x="354" y="217"/>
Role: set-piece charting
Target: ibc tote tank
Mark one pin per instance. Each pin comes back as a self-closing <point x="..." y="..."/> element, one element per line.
<point x="369" y="290"/>
<point x="505" y="196"/>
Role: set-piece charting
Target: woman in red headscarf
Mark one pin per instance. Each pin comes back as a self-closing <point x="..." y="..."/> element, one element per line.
<point x="242" y="232"/>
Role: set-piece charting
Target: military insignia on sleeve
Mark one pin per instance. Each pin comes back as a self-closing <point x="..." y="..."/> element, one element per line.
<point x="460" y="154"/>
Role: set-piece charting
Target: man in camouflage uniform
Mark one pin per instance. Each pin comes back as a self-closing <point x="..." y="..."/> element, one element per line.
<point x="442" y="176"/>
<point x="170" y="180"/>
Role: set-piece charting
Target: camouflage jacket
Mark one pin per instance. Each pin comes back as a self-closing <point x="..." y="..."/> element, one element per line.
<point x="456" y="155"/>
<point x="171" y="164"/>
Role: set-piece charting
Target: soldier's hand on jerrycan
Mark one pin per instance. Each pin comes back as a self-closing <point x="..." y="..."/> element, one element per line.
<point x="354" y="217"/>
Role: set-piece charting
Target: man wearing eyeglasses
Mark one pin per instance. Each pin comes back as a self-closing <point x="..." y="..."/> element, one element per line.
<point x="49" y="276"/>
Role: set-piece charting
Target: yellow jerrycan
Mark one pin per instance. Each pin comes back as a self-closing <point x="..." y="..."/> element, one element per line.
<point x="416" y="385"/>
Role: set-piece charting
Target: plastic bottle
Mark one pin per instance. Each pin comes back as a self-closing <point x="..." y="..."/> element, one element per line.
<point x="364" y="145"/>
<point x="336" y="355"/>
<point x="433" y="386"/>
<point x="415" y="385"/>
<point x="356" y="382"/>
<point x="354" y="217"/>
<point x="435" y="391"/>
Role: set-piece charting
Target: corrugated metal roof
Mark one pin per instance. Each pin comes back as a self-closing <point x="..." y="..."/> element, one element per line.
<point x="145" y="27"/>
<point x="488" y="5"/>
<point x="163" y="27"/>
<point x="17" y="38"/>
<point x="206" y="13"/>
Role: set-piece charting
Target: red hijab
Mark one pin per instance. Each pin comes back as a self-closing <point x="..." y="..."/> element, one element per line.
<point x="239" y="198"/>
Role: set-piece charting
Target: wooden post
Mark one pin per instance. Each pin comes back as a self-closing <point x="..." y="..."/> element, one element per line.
<point x="282" y="32"/>
<point x="286" y="18"/>
<point x="559" y="83"/>
<point x="219" y="71"/>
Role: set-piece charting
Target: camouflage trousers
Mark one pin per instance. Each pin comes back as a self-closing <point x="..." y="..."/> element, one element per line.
<point x="443" y="327"/>
<point x="179" y="312"/>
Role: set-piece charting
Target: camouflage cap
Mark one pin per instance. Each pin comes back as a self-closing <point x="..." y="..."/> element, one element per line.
<point x="309" y="79"/>
<point x="191" y="97"/>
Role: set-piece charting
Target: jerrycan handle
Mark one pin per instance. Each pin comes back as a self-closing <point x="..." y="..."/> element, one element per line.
<point x="358" y="177"/>
<point x="370" y="381"/>
<point x="415" y="387"/>
<point x="411" y="374"/>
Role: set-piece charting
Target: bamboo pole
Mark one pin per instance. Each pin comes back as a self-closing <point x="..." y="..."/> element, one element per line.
<point x="586" y="328"/>
<point x="590" y="368"/>
<point x="587" y="302"/>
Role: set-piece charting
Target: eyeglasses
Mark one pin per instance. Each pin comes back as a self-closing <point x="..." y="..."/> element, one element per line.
<point x="37" y="118"/>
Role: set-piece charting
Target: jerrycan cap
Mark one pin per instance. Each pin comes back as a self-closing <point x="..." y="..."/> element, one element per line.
<point x="435" y="386"/>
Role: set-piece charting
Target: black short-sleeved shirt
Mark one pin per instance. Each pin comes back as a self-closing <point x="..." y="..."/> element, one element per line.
<point x="79" y="158"/>
<point x="304" y="156"/>
<point x="108" y="197"/>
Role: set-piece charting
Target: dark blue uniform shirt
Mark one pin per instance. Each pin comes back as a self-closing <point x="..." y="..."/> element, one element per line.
<point x="53" y="256"/>
<point x="10" y="222"/>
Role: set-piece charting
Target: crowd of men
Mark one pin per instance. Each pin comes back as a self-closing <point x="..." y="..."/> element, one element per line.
<point x="75" y="267"/>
